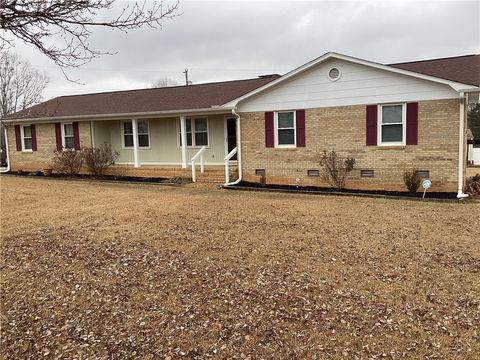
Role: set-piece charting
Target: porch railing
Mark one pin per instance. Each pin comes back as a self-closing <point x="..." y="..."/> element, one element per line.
<point x="227" y="164"/>
<point x="199" y="154"/>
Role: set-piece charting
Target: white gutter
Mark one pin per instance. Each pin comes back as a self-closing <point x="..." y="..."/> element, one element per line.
<point x="7" y="169"/>
<point x="147" y="114"/>
<point x="239" y="151"/>
<point x="461" y="145"/>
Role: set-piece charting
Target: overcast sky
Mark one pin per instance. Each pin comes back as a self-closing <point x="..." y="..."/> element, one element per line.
<point x="243" y="39"/>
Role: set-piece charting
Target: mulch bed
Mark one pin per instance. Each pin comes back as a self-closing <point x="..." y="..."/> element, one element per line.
<point x="326" y="190"/>
<point x="95" y="178"/>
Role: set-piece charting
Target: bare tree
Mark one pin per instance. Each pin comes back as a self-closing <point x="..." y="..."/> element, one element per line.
<point x="163" y="82"/>
<point x="40" y="22"/>
<point x="21" y="85"/>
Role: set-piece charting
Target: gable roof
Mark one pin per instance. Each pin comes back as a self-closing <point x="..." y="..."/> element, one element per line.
<point x="176" y="98"/>
<point x="457" y="86"/>
<point x="464" y="69"/>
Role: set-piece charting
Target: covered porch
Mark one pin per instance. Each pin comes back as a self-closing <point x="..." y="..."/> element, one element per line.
<point x="203" y="147"/>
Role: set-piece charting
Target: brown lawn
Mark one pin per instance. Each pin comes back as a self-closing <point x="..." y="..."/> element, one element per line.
<point x="97" y="270"/>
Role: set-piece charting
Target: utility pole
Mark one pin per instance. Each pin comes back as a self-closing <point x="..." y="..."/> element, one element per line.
<point x="186" y="77"/>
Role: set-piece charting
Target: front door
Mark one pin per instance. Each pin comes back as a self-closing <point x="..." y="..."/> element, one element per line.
<point x="231" y="136"/>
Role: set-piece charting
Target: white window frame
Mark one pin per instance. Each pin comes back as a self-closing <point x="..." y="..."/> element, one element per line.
<point x="122" y="130"/>
<point x="63" y="136"/>
<point x="192" y="127"/>
<point x="23" y="137"/>
<point x="275" y="130"/>
<point x="380" y="126"/>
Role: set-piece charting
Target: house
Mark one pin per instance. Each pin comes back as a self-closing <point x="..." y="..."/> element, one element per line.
<point x="390" y="118"/>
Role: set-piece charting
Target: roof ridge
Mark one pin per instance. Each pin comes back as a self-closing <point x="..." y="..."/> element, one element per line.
<point x="165" y="87"/>
<point x="434" y="59"/>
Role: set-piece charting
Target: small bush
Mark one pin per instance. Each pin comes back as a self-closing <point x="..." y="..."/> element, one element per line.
<point x="181" y="180"/>
<point x="98" y="159"/>
<point x="473" y="185"/>
<point x="263" y="181"/>
<point x="67" y="161"/>
<point x="412" y="180"/>
<point x="335" y="168"/>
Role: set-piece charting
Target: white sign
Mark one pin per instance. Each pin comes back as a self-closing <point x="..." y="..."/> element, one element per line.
<point x="426" y="184"/>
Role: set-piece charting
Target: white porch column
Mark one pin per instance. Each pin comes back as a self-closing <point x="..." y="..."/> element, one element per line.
<point x="136" y="162"/>
<point x="183" y="134"/>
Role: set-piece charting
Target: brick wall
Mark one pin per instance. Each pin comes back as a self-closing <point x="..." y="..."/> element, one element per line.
<point x="343" y="130"/>
<point x="46" y="144"/>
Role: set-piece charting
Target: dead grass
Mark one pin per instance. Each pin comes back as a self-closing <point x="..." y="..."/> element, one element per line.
<point x="141" y="271"/>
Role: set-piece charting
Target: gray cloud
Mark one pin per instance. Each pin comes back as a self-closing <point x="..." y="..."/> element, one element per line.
<point x="231" y="40"/>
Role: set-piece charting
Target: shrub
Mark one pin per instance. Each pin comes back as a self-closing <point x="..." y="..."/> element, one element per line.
<point x="411" y="180"/>
<point x="67" y="161"/>
<point x="335" y="168"/>
<point x="98" y="159"/>
<point x="473" y="185"/>
<point x="181" y="180"/>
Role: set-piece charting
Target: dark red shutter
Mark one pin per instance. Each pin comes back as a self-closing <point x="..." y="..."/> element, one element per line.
<point x="412" y="123"/>
<point x="76" y="136"/>
<point x="269" y="137"/>
<point x="18" y="138"/>
<point x="300" y="119"/>
<point x="33" y="131"/>
<point x="58" y="136"/>
<point x="372" y="125"/>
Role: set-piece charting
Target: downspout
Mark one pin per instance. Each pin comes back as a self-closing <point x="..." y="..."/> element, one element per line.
<point x="461" y="147"/>
<point x="6" y="152"/>
<point x="239" y="151"/>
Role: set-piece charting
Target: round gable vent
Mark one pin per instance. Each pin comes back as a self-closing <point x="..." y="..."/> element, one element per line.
<point x="334" y="74"/>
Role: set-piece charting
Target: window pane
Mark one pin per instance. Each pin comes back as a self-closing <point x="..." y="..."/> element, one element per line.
<point x="68" y="129"/>
<point x="28" y="144"/>
<point x="286" y="137"/>
<point x="142" y="127"/>
<point x="27" y="131"/>
<point x="285" y="120"/>
<point x="128" y="139"/>
<point x="201" y="139"/>
<point x="189" y="139"/>
<point x="69" y="142"/>
<point x="200" y="124"/>
<point x="127" y="128"/>
<point x="392" y="133"/>
<point x="143" y="140"/>
<point x="392" y="114"/>
<point x="189" y="125"/>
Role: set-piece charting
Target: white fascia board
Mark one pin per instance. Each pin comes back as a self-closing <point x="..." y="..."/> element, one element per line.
<point x="122" y="116"/>
<point x="331" y="55"/>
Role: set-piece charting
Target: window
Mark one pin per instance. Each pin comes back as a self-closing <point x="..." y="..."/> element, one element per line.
<point x="285" y="132"/>
<point x="143" y="138"/>
<point x="197" y="132"/>
<point x="142" y="132"/>
<point x="313" y="172"/>
<point x="392" y="124"/>
<point x="67" y="136"/>
<point x="26" y="138"/>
